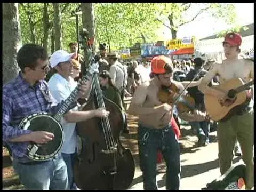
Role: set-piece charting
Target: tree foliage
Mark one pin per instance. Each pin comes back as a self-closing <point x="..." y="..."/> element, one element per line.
<point x="179" y="14"/>
<point x="122" y="24"/>
<point x="118" y="24"/>
<point x="32" y="24"/>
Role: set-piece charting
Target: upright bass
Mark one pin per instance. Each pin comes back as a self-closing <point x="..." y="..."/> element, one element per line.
<point x="102" y="163"/>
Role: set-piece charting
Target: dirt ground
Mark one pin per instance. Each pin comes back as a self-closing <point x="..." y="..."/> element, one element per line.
<point x="199" y="165"/>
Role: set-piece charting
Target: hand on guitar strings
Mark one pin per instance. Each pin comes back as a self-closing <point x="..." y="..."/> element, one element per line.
<point x="224" y="100"/>
<point x="84" y="88"/>
<point x="41" y="137"/>
<point x="227" y="101"/>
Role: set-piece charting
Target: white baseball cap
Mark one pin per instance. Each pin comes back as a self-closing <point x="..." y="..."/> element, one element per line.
<point x="60" y="56"/>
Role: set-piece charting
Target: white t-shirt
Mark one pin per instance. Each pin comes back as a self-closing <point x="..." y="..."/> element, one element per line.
<point x="118" y="74"/>
<point x="144" y="73"/>
<point x="60" y="89"/>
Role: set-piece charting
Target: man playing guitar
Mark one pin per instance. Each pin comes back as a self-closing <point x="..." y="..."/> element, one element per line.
<point x="240" y="125"/>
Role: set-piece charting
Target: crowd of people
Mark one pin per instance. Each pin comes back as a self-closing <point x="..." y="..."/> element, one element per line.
<point x="163" y="92"/>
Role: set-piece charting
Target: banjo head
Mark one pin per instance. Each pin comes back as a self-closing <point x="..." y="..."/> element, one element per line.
<point x="44" y="122"/>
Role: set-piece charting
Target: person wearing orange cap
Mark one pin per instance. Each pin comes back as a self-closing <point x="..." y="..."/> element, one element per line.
<point x="239" y="125"/>
<point x="154" y="127"/>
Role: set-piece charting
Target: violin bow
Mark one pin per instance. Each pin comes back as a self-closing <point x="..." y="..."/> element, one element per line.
<point x="178" y="97"/>
<point x="201" y="69"/>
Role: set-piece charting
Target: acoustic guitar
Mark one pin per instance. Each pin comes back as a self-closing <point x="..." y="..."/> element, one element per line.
<point x="236" y="96"/>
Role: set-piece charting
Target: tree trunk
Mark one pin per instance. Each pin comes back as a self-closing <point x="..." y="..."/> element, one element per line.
<point x="31" y="24"/>
<point x="52" y="41"/>
<point x="88" y="23"/>
<point x="173" y="31"/>
<point x="46" y="25"/>
<point x="57" y="26"/>
<point x="11" y="40"/>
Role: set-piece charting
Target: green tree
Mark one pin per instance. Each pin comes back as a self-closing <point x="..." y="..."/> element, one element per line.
<point x="179" y="14"/>
<point x="118" y="24"/>
<point x="37" y="25"/>
<point x="122" y="24"/>
<point x="57" y="26"/>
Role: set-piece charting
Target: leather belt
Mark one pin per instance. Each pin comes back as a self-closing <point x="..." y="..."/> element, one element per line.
<point x="32" y="162"/>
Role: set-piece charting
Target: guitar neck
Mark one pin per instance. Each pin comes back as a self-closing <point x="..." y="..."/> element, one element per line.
<point x="244" y="87"/>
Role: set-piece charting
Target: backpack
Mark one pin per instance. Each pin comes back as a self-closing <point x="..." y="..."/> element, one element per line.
<point x="233" y="179"/>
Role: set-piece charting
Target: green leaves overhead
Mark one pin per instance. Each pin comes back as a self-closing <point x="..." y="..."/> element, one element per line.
<point x="120" y="25"/>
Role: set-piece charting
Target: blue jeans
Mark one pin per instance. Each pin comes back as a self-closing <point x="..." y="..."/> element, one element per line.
<point x="70" y="160"/>
<point x="46" y="175"/>
<point x="152" y="140"/>
<point x="202" y="128"/>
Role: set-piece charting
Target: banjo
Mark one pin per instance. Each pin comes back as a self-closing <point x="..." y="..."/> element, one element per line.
<point x="45" y="122"/>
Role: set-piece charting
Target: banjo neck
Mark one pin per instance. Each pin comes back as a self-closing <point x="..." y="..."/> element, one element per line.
<point x="65" y="106"/>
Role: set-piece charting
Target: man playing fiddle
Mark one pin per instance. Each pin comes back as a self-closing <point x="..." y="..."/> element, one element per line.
<point x="154" y="129"/>
<point x="154" y="126"/>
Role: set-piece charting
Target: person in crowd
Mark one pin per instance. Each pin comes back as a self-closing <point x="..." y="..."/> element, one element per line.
<point x="61" y="84"/>
<point x="103" y="63"/>
<point x="73" y="46"/>
<point x="239" y="125"/>
<point x="154" y="131"/>
<point x="110" y="91"/>
<point x="25" y="95"/>
<point x="133" y="80"/>
<point x="184" y="66"/>
<point x="76" y="69"/>
<point x="202" y="128"/>
<point x="189" y="65"/>
<point x="118" y="73"/>
<point x="144" y="72"/>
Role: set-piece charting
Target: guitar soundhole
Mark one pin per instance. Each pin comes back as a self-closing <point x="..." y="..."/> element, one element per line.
<point x="231" y="94"/>
<point x="227" y="102"/>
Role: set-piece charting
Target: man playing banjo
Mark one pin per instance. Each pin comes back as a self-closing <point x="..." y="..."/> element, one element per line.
<point x="26" y="95"/>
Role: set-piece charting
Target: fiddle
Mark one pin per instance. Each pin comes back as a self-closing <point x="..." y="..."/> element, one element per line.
<point x="171" y="95"/>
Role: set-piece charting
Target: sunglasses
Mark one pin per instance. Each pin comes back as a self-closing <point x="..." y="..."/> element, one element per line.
<point x="46" y="67"/>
